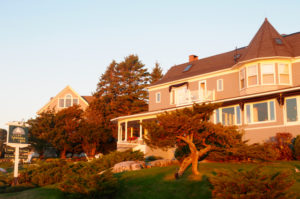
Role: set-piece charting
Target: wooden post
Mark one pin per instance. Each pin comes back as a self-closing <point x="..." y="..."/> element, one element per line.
<point x="126" y="131"/>
<point x="141" y="131"/>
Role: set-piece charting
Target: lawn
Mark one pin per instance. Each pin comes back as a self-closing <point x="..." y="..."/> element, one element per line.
<point x="160" y="183"/>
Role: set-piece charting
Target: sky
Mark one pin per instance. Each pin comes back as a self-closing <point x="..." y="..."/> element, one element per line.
<point x="47" y="45"/>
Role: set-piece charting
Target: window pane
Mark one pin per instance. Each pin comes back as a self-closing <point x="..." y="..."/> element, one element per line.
<point x="268" y="79"/>
<point x="75" y="101"/>
<point x="272" y="110"/>
<point x="252" y="80"/>
<point x="283" y="69"/>
<point x="220" y="85"/>
<point x="238" y="115"/>
<point x="252" y="71"/>
<point x="248" y="113"/>
<point x="217" y="116"/>
<point x="267" y="69"/>
<point x="284" y="78"/>
<point x="157" y="97"/>
<point x="228" y="117"/>
<point x="242" y="78"/>
<point x="61" y="103"/>
<point x="291" y="110"/>
<point x="68" y="100"/>
<point x="260" y="112"/>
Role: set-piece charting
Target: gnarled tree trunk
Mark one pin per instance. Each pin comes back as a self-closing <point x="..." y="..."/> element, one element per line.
<point x="193" y="157"/>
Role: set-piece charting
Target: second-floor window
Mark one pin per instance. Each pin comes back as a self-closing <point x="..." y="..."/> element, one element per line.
<point x="252" y="75"/>
<point x="220" y="85"/>
<point x="179" y="95"/>
<point x="267" y="73"/>
<point x="242" y="78"/>
<point x="284" y="73"/>
<point x="157" y="97"/>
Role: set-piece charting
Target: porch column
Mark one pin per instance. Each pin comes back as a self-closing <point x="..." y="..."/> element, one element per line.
<point x="141" y="131"/>
<point x="119" y="132"/>
<point x="126" y="131"/>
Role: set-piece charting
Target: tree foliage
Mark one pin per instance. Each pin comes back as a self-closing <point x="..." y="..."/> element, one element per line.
<point x="252" y="184"/>
<point x="156" y="73"/>
<point x="192" y="127"/>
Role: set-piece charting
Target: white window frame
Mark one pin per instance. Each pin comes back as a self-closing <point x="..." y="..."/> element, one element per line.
<point x="251" y="112"/>
<point x="156" y="95"/>
<point x="218" y="85"/>
<point x="290" y="73"/>
<point x="235" y="115"/>
<point x="247" y="76"/>
<point x="274" y="73"/>
<point x="65" y="101"/>
<point x="245" y="79"/>
<point x="205" y="89"/>
<point x="285" y="110"/>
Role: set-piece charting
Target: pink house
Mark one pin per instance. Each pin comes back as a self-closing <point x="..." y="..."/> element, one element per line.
<point x="258" y="86"/>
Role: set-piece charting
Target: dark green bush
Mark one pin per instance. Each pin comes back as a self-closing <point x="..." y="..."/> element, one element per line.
<point x="297" y="147"/>
<point x="90" y="186"/>
<point x="109" y="160"/>
<point x="79" y="179"/>
<point x="252" y="184"/>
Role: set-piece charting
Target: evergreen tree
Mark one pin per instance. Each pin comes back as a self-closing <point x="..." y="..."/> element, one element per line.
<point x="191" y="127"/>
<point x="156" y="73"/>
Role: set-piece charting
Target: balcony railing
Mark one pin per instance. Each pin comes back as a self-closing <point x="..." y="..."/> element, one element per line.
<point x="190" y="97"/>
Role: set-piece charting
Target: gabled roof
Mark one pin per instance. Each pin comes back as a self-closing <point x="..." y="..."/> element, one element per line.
<point x="88" y="99"/>
<point x="267" y="43"/>
<point x="262" y="45"/>
<point x="53" y="99"/>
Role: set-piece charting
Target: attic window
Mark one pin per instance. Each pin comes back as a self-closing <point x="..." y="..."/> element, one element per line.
<point x="187" y="68"/>
<point x="278" y="41"/>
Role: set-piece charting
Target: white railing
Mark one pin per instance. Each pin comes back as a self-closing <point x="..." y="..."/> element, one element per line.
<point x="190" y="97"/>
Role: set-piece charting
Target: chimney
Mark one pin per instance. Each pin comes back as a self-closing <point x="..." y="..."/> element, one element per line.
<point x="193" y="58"/>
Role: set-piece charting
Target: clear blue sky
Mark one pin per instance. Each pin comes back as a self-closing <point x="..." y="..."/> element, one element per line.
<point x="46" y="45"/>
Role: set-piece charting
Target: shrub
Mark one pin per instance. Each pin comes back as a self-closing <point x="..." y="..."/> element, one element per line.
<point x="109" y="160"/>
<point x="45" y="173"/>
<point x="90" y="186"/>
<point x="252" y="184"/>
<point x="282" y="145"/>
<point x="244" y="152"/>
<point x="297" y="147"/>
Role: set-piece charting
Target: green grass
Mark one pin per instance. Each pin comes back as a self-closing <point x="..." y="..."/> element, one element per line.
<point x="160" y="183"/>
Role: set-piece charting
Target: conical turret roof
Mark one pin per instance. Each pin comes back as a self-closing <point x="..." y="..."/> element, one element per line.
<point x="267" y="42"/>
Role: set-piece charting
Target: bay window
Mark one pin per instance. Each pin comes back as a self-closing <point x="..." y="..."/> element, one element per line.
<point x="242" y="78"/>
<point x="252" y="75"/>
<point x="267" y="74"/>
<point x="284" y="73"/>
<point x="260" y="112"/>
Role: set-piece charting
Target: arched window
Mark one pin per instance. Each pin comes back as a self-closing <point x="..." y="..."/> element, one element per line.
<point x="68" y="100"/>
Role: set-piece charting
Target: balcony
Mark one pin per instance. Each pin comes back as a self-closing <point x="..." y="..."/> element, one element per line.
<point x="190" y="97"/>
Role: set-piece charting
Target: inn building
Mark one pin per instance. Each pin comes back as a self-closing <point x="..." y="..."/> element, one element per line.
<point x="257" y="85"/>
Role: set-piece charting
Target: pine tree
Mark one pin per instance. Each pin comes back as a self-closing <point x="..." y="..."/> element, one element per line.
<point x="156" y="73"/>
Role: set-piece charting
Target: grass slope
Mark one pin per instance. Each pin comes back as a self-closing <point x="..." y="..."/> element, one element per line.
<point x="160" y="183"/>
